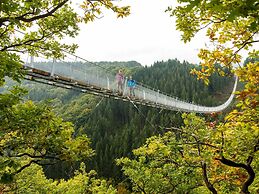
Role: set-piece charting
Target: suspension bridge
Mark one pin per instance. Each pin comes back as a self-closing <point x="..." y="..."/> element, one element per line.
<point x="88" y="77"/>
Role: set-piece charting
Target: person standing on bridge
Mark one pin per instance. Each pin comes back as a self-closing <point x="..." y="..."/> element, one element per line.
<point x="120" y="80"/>
<point x="131" y="85"/>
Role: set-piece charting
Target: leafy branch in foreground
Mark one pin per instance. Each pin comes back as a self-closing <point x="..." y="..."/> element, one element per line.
<point x="231" y="27"/>
<point x="32" y="180"/>
<point x="33" y="134"/>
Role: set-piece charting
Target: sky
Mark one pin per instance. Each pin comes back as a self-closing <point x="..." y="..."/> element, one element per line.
<point x="147" y="35"/>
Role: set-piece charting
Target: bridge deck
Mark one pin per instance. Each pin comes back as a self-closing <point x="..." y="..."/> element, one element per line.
<point x="144" y="96"/>
<point x="44" y="77"/>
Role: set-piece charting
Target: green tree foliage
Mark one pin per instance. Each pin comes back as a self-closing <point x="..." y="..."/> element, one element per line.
<point x="231" y="26"/>
<point x="34" y="134"/>
<point x="33" y="180"/>
<point x="195" y="157"/>
<point x="171" y="163"/>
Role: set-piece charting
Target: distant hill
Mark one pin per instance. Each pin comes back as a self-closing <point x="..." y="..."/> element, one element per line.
<point x="119" y="63"/>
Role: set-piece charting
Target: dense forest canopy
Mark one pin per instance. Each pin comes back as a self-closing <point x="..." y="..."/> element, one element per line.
<point x="183" y="153"/>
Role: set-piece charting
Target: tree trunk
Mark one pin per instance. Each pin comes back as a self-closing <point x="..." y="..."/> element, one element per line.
<point x="206" y="180"/>
<point x="247" y="167"/>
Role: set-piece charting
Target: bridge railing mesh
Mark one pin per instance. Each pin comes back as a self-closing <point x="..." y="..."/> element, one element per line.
<point x="78" y="69"/>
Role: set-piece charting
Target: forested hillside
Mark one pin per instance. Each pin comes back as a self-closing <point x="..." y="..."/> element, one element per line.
<point x="116" y="127"/>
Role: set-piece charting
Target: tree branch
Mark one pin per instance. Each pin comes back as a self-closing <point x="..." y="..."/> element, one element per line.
<point x="206" y="180"/>
<point x="25" y="166"/>
<point x="49" y="13"/>
<point x="205" y="26"/>
<point x="6" y="29"/>
<point x="222" y="140"/>
<point x="24" y="19"/>
<point x="41" y="156"/>
<point x="28" y="13"/>
<point x="30" y="42"/>
<point x="213" y="21"/>
<point x="248" y="168"/>
<point x="246" y="42"/>
<point x="27" y="42"/>
<point x="141" y="189"/>
<point x="199" y="143"/>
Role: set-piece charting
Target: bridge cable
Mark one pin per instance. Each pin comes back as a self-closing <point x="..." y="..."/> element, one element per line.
<point x="141" y="112"/>
<point x="102" y="67"/>
<point x="163" y="128"/>
<point x="90" y="114"/>
<point x="143" y="115"/>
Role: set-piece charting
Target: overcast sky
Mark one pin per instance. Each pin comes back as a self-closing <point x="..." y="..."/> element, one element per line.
<point x="146" y="36"/>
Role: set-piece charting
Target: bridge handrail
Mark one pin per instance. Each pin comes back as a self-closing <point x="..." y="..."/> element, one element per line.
<point x="105" y="78"/>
